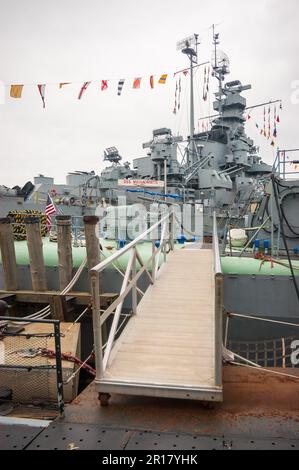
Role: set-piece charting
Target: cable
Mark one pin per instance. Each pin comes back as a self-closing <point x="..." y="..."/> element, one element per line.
<point x="79" y="368"/>
<point x="265" y="370"/>
<point x="263" y="319"/>
<point x="282" y="198"/>
<point x="76" y="321"/>
<point x="46" y="311"/>
<point x="283" y="234"/>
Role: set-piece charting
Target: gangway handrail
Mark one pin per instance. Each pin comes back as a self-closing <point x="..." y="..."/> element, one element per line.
<point x="129" y="284"/>
<point x="218" y="276"/>
<point x="216" y="250"/>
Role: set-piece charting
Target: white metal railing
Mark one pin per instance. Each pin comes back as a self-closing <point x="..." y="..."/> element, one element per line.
<point x="219" y="288"/>
<point x="216" y="250"/>
<point x="283" y="164"/>
<point x="131" y="277"/>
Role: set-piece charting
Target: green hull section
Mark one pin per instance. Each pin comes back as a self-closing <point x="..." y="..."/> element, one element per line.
<point x="79" y="253"/>
<point x="250" y="266"/>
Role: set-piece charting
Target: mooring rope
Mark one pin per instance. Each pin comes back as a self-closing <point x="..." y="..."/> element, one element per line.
<point x="262" y="319"/>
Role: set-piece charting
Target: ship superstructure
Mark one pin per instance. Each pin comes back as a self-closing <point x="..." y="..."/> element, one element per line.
<point x="219" y="168"/>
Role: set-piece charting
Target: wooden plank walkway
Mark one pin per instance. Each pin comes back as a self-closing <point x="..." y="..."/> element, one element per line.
<point x="170" y="343"/>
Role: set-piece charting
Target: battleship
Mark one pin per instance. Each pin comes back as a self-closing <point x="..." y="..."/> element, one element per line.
<point x="241" y="274"/>
<point x="220" y="168"/>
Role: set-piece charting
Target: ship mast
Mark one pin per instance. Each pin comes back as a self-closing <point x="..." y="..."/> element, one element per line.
<point x="185" y="47"/>
<point x="216" y="70"/>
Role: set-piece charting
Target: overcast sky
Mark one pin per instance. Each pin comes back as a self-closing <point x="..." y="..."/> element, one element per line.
<point x="43" y="41"/>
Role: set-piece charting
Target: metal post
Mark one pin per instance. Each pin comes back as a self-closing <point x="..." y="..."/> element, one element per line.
<point x="272" y="224"/>
<point x="278" y="241"/>
<point x="171" y="230"/>
<point x="253" y="237"/>
<point x="64" y="247"/>
<point x="35" y="249"/>
<point x="8" y="255"/>
<point x="93" y="251"/>
<point x="191" y="110"/>
<point x="165" y="177"/>
<point x="153" y="261"/>
<point x="60" y="397"/>
<point x="226" y="330"/>
<point x="218" y="328"/>
<point x="96" y="319"/>
<point x="284" y="165"/>
<point x="134" y="288"/>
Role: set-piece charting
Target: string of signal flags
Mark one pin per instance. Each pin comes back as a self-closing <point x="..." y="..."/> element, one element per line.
<point x="271" y="120"/>
<point x="268" y="127"/>
<point x="16" y="90"/>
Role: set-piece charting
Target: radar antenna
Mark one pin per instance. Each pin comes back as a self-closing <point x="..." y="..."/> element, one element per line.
<point x="111" y="155"/>
<point x="220" y="64"/>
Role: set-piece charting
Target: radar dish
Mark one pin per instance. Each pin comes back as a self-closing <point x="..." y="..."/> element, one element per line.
<point x="220" y="63"/>
<point x="187" y="42"/>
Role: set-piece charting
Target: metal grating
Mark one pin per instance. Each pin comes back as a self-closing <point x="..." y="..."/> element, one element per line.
<point x="262" y="444"/>
<point x="20" y="362"/>
<point x="30" y="362"/>
<point x="66" y="436"/>
<point x="166" y="441"/>
<point x="174" y="442"/>
<point x="17" y="437"/>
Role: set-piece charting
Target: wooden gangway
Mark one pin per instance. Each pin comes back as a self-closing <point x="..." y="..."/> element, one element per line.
<point x="172" y="345"/>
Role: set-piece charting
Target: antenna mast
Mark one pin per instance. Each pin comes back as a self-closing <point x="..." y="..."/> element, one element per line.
<point x="185" y="47"/>
<point x="220" y="65"/>
<point x="217" y="73"/>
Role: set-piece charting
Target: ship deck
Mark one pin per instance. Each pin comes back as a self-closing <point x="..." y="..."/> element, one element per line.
<point x="260" y="411"/>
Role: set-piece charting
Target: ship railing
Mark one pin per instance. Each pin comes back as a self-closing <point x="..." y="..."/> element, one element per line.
<point x="219" y="310"/>
<point x="136" y="267"/>
<point x="285" y="165"/>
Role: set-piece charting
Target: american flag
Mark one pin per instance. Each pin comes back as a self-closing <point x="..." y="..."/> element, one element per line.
<point x="50" y="210"/>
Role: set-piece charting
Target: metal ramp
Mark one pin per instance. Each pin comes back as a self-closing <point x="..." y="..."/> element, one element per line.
<point x="172" y="346"/>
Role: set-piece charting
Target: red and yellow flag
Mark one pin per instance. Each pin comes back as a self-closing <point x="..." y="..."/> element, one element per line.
<point x="163" y="79"/>
<point x="63" y="83"/>
<point x="16" y="91"/>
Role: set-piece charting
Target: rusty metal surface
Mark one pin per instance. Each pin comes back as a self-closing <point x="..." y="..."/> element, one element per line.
<point x="255" y="406"/>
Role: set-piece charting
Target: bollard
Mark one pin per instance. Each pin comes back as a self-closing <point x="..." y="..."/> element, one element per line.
<point x="36" y="258"/>
<point x="8" y="255"/>
<point x="64" y="248"/>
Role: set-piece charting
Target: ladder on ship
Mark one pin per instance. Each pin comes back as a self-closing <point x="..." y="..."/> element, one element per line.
<point x="172" y="344"/>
